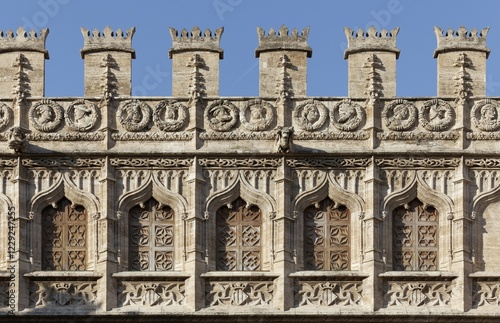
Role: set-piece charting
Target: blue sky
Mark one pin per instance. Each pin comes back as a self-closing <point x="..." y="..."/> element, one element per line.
<point x="327" y="70"/>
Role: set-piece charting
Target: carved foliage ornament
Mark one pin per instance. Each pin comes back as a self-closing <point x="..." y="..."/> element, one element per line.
<point x="484" y="115"/>
<point x="239" y="293"/>
<point x="151" y="294"/>
<point x="418" y="294"/>
<point x="82" y="115"/>
<point x="46" y="115"/>
<point x="5" y="116"/>
<point x="170" y="115"/>
<point x="257" y="115"/>
<point x="436" y="115"/>
<point x="347" y="115"/>
<point x="63" y="293"/>
<point x="310" y="115"/>
<point x="221" y="115"/>
<point x="400" y="115"/>
<point x="134" y="115"/>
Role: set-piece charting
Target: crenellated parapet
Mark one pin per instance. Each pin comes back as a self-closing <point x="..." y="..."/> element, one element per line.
<point x="283" y="40"/>
<point x="461" y="54"/>
<point x="196" y="40"/>
<point x="107" y="40"/>
<point x="22" y="40"/>
<point x="371" y="40"/>
<point x="461" y="40"/>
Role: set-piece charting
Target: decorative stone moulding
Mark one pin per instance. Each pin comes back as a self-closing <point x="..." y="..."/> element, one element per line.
<point x="24" y="41"/>
<point x="461" y="39"/>
<point x="196" y="40"/>
<point x="371" y="40"/>
<point x="107" y="40"/>
<point x="282" y="40"/>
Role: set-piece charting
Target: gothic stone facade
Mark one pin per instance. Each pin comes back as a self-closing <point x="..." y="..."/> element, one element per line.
<point x="280" y="207"/>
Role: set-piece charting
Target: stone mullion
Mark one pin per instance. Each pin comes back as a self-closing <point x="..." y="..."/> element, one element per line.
<point x="282" y="236"/>
<point x="371" y="224"/>
<point x="461" y="262"/>
<point x="19" y="222"/>
<point x="106" y="253"/>
<point x="194" y="244"/>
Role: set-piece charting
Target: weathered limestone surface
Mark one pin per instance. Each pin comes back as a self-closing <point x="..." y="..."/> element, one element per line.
<point x="282" y="207"/>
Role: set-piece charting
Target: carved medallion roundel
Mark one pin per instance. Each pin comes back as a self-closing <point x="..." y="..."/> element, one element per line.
<point x="221" y="115"/>
<point x="436" y="115"/>
<point x="310" y="115"/>
<point x="170" y="115"/>
<point x="5" y="116"/>
<point x="134" y="115"/>
<point x="400" y="115"/>
<point x="82" y="115"/>
<point x="46" y="115"/>
<point x="257" y="115"/>
<point x="484" y="115"/>
<point x="347" y="115"/>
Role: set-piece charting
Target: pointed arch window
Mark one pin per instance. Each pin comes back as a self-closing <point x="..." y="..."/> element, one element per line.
<point x="239" y="236"/>
<point x="415" y="237"/>
<point x="151" y="237"/>
<point x="327" y="236"/>
<point x="64" y="245"/>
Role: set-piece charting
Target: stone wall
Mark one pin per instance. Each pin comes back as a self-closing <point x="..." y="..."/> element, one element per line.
<point x="278" y="207"/>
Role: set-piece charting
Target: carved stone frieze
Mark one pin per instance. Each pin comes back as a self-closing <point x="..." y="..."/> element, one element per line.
<point x="134" y="115"/>
<point x="418" y="293"/>
<point x="328" y="293"/>
<point x="418" y="162"/>
<point x="153" y="136"/>
<point x="330" y="135"/>
<point x="400" y="115"/>
<point x="240" y="293"/>
<point x="153" y="293"/>
<point x="309" y="178"/>
<point x="483" y="135"/>
<point x="170" y="115"/>
<point x="82" y="115"/>
<point x="436" y="115"/>
<point x="415" y="135"/>
<point x="485" y="179"/>
<point x="8" y="162"/>
<point x="231" y="135"/>
<point x="486" y="294"/>
<point x="257" y="115"/>
<point x="440" y="180"/>
<point x="5" y="116"/>
<point x="237" y="162"/>
<point x="483" y="162"/>
<point x="310" y="115"/>
<point x="221" y="115"/>
<point x="46" y="115"/>
<point x="397" y="179"/>
<point x="63" y="293"/>
<point x="330" y="162"/>
<point x="347" y="115"/>
<point x="66" y="136"/>
<point x="151" y="162"/>
<point x="63" y="162"/>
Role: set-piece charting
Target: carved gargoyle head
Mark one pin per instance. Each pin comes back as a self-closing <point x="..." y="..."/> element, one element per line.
<point x="17" y="140"/>
<point x="284" y="139"/>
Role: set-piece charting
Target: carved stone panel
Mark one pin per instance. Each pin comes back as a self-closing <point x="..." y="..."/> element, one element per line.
<point x="151" y="237"/>
<point x="328" y="293"/>
<point x="46" y="115"/>
<point x="64" y="245"/>
<point x="418" y="293"/>
<point x="415" y="239"/>
<point x="63" y="293"/>
<point x="155" y="293"/>
<point x="327" y="236"/>
<point x="253" y="293"/>
<point x="486" y="294"/>
<point x="239" y="237"/>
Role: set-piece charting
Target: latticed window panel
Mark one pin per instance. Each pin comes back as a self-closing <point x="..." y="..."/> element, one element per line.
<point x="151" y="236"/>
<point x="64" y="237"/>
<point x="239" y="237"/>
<point x="415" y="237"/>
<point x="327" y="236"/>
